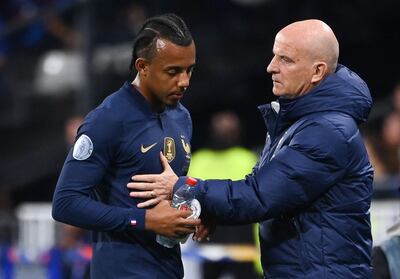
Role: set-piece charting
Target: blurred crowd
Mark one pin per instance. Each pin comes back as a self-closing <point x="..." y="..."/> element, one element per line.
<point x="59" y="58"/>
<point x="382" y="137"/>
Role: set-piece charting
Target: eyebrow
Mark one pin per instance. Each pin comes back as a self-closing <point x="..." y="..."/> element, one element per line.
<point x="174" y="67"/>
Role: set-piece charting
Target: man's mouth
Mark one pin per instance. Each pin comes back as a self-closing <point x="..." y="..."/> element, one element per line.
<point x="177" y="95"/>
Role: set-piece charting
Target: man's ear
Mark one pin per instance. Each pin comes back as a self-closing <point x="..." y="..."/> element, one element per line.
<point x="141" y="66"/>
<point x="320" y="71"/>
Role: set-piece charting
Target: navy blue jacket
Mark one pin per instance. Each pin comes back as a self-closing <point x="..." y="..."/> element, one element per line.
<point x="120" y="138"/>
<point x="311" y="188"/>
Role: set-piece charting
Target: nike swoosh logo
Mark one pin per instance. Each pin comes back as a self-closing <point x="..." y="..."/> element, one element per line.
<point x="145" y="149"/>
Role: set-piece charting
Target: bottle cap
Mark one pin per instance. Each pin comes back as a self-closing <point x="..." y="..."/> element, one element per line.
<point x="191" y="181"/>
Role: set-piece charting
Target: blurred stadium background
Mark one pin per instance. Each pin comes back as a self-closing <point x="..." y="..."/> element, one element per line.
<point x="60" y="58"/>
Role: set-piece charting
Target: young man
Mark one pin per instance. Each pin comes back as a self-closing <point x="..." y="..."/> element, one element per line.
<point x="127" y="132"/>
<point x="312" y="187"/>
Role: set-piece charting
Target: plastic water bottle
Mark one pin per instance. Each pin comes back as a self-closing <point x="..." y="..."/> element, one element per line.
<point x="183" y="199"/>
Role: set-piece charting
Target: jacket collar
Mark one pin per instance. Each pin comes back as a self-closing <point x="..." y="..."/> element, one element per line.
<point x="342" y="91"/>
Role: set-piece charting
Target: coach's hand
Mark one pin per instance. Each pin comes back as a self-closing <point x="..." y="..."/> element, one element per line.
<point x="166" y="220"/>
<point x="205" y="229"/>
<point x="154" y="187"/>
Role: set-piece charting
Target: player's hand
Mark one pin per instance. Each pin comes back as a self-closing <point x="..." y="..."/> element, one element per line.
<point x="154" y="187"/>
<point x="205" y="229"/>
<point x="166" y="220"/>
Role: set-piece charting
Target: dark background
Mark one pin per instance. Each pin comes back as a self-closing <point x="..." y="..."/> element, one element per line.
<point x="234" y="42"/>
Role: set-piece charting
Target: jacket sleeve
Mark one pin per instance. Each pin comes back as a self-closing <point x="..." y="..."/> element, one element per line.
<point x="299" y="173"/>
<point x="73" y="201"/>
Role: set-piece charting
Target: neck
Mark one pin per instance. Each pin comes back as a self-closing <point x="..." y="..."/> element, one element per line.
<point x="155" y="105"/>
<point x="136" y="83"/>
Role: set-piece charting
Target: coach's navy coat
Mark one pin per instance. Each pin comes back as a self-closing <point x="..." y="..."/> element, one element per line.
<point x="312" y="186"/>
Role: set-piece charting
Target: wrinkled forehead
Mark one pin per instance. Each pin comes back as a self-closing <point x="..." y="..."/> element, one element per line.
<point x="291" y="43"/>
<point x="285" y="44"/>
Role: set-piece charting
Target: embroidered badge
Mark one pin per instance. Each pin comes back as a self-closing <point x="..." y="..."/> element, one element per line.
<point x="186" y="147"/>
<point x="83" y="148"/>
<point x="169" y="148"/>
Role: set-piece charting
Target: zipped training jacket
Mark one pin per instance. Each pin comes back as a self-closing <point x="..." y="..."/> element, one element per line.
<point x="312" y="187"/>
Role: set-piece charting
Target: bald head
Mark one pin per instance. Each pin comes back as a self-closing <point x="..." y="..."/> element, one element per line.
<point x="316" y="39"/>
<point x="305" y="53"/>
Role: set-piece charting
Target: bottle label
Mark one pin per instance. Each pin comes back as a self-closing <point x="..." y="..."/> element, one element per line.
<point x="194" y="206"/>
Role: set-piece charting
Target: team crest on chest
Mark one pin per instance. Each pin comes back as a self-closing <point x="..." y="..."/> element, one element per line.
<point x="169" y="149"/>
<point x="186" y="147"/>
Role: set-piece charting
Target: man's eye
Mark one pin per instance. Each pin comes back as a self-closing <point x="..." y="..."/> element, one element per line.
<point x="172" y="73"/>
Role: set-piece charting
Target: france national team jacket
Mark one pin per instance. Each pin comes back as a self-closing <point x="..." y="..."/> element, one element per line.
<point x="311" y="188"/>
<point x="120" y="138"/>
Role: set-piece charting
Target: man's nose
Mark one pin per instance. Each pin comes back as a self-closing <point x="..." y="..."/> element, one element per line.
<point x="184" y="80"/>
<point x="271" y="68"/>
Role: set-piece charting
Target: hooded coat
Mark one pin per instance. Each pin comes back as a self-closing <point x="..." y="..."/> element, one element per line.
<point x="311" y="189"/>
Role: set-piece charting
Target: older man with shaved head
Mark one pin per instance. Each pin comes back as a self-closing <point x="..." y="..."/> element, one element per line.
<point x="312" y="186"/>
<point x="305" y="53"/>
